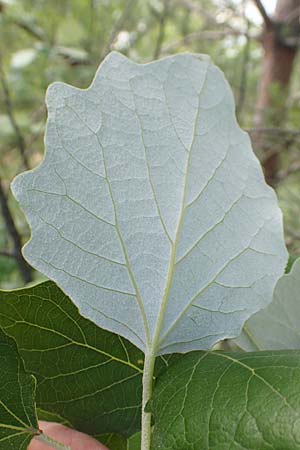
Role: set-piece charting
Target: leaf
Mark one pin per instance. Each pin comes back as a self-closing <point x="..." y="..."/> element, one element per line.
<point x="52" y="417"/>
<point x="88" y="376"/>
<point x="229" y="401"/>
<point x="150" y="210"/>
<point x="113" y="442"/>
<point x="18" y="421"/>
<point x="134" y="442"/>
<point x="280" y="318"/>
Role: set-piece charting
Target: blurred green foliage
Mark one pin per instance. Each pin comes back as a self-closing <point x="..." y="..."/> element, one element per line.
<point x="42" y="41"/>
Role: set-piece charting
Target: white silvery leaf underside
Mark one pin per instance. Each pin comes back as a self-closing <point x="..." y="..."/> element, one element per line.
<point x="150" y="210"/>
<point x="276" y="327"/>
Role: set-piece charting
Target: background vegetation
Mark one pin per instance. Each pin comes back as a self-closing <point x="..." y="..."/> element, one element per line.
<point x="42" y="41"/>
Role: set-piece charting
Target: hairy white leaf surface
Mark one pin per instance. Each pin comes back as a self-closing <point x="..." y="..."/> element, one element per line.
<point x="150" y="209"/>
<point x="276" y="327"/>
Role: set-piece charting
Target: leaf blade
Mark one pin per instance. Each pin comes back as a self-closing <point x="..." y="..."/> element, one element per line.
<point x="183" y="242"/>
<point x="223" y="401"/>
<point x="18" y="420"/>
<point x="280" y="318"/>
<point x="88" y="376"/>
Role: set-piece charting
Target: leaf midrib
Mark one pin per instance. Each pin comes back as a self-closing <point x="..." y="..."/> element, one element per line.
<point x="165" y="298"/>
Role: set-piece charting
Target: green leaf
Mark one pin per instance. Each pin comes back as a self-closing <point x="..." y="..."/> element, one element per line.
<point x="280" y="318"/>
<point x="134" y="442"/>
<point x="150" y="209"/>
<point x="90" y="377"/>
<point x="229" y="401"/>
<point x="18" y="421"/>
<point x="113" y="442"/>
<point x="52" y="417"/>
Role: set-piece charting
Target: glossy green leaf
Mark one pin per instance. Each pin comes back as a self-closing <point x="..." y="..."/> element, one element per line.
<point x="229" y="401"/>
<point x="150" y="209"/>
<point x="18" y="420"/>
<point x="277" y="326"/>
<point x="90" y="377"/>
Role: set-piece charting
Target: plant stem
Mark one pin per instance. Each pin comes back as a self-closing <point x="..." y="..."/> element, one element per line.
<point x="147" y="392"/>
<point x="51" y="442"/>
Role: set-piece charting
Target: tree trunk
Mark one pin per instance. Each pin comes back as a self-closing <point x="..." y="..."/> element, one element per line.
<point x="280" y="47"/>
